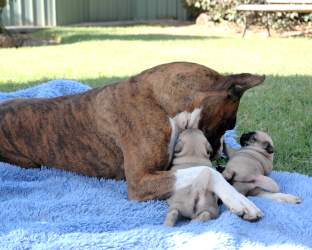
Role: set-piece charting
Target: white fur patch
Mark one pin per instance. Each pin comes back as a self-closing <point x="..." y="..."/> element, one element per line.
<point x="186" y="177"/>
<point x="173" y="138"/>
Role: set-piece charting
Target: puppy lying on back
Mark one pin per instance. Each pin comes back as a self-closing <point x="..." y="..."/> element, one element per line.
<point x="248" y="168"/>
<point x="192" y="149"/>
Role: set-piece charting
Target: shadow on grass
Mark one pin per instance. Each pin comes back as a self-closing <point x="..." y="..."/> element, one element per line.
<point x="93" y="82"/>
<point x="68" y="39"/>
<point x="136" y="23"/>
<point x="9" y="87"/>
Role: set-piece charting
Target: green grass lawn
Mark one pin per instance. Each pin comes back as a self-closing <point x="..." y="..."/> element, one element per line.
<point x="98" y="56"/>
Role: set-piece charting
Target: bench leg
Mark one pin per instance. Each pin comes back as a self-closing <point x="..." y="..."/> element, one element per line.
<point x="268" y="24"/>
<point x="246" y="25"/>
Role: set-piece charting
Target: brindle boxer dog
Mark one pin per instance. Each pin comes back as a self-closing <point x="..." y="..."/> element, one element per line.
<point x="125" y="130"/>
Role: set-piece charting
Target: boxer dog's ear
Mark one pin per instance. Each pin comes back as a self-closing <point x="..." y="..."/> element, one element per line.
<point x="239" y="83"/>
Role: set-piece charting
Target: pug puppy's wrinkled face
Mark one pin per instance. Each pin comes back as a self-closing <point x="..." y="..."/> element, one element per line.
<point x="258" y="139"/>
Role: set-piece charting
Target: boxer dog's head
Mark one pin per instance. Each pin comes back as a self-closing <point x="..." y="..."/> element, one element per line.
<point x="215" y="121"/>
<point x="194" y="86"/>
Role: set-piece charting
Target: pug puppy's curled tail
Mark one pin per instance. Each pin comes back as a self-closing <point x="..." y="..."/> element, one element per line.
<point x="228" y="152"/>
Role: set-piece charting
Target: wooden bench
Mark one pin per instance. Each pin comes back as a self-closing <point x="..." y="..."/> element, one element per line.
<point x="270" y="6"/>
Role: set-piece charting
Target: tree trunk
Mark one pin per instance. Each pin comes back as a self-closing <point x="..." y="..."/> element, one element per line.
<point x="3" y="30"/>
<point x="2" y="6"/>
<point x="3" y="3"/>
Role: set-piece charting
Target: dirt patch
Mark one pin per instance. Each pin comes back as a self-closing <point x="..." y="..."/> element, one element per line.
<point x="24" y="40"/>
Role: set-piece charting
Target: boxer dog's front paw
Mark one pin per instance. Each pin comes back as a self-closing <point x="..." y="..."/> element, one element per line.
<point x="241" y="206"/>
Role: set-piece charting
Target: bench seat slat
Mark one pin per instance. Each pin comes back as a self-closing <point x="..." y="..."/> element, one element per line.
<point x="289" y="1"/>
<point x="302" y="8"/>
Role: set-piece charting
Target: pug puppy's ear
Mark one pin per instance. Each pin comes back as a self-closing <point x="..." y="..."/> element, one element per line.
<point x="194" y="118"/>
<point x="247" y="139"/>
<point x="181" y="121"/>
<point x="220" y="150"/>
<point x="209" y="149"/>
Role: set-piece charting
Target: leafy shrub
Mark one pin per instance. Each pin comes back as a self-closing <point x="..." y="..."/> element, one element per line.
<point x="220" y="10"/>
<point x="216" y="10"/>
<point x="3" y="3"/>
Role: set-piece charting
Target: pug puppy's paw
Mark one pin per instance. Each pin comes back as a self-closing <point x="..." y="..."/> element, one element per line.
<point x="171" y="218"/>
<point x="288" y="198"/>
<point x="203" y="216"/>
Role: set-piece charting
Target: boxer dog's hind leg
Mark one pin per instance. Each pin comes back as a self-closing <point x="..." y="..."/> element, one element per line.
<point x="20" y="161"/>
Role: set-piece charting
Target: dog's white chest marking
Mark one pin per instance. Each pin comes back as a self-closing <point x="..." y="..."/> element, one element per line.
<point x="173" y="138"/>
<point x="187" y="176"/>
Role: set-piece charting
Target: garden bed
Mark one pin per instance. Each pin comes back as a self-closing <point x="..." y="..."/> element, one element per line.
<point x="24" y="40"/>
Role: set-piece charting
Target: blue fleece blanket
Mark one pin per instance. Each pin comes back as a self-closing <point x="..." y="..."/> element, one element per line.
<point x="53" y="209"/>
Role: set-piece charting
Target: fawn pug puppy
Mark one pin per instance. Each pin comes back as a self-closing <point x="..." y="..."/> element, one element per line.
<point x="248" y="168"/>
<point x="192" y="149"/>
